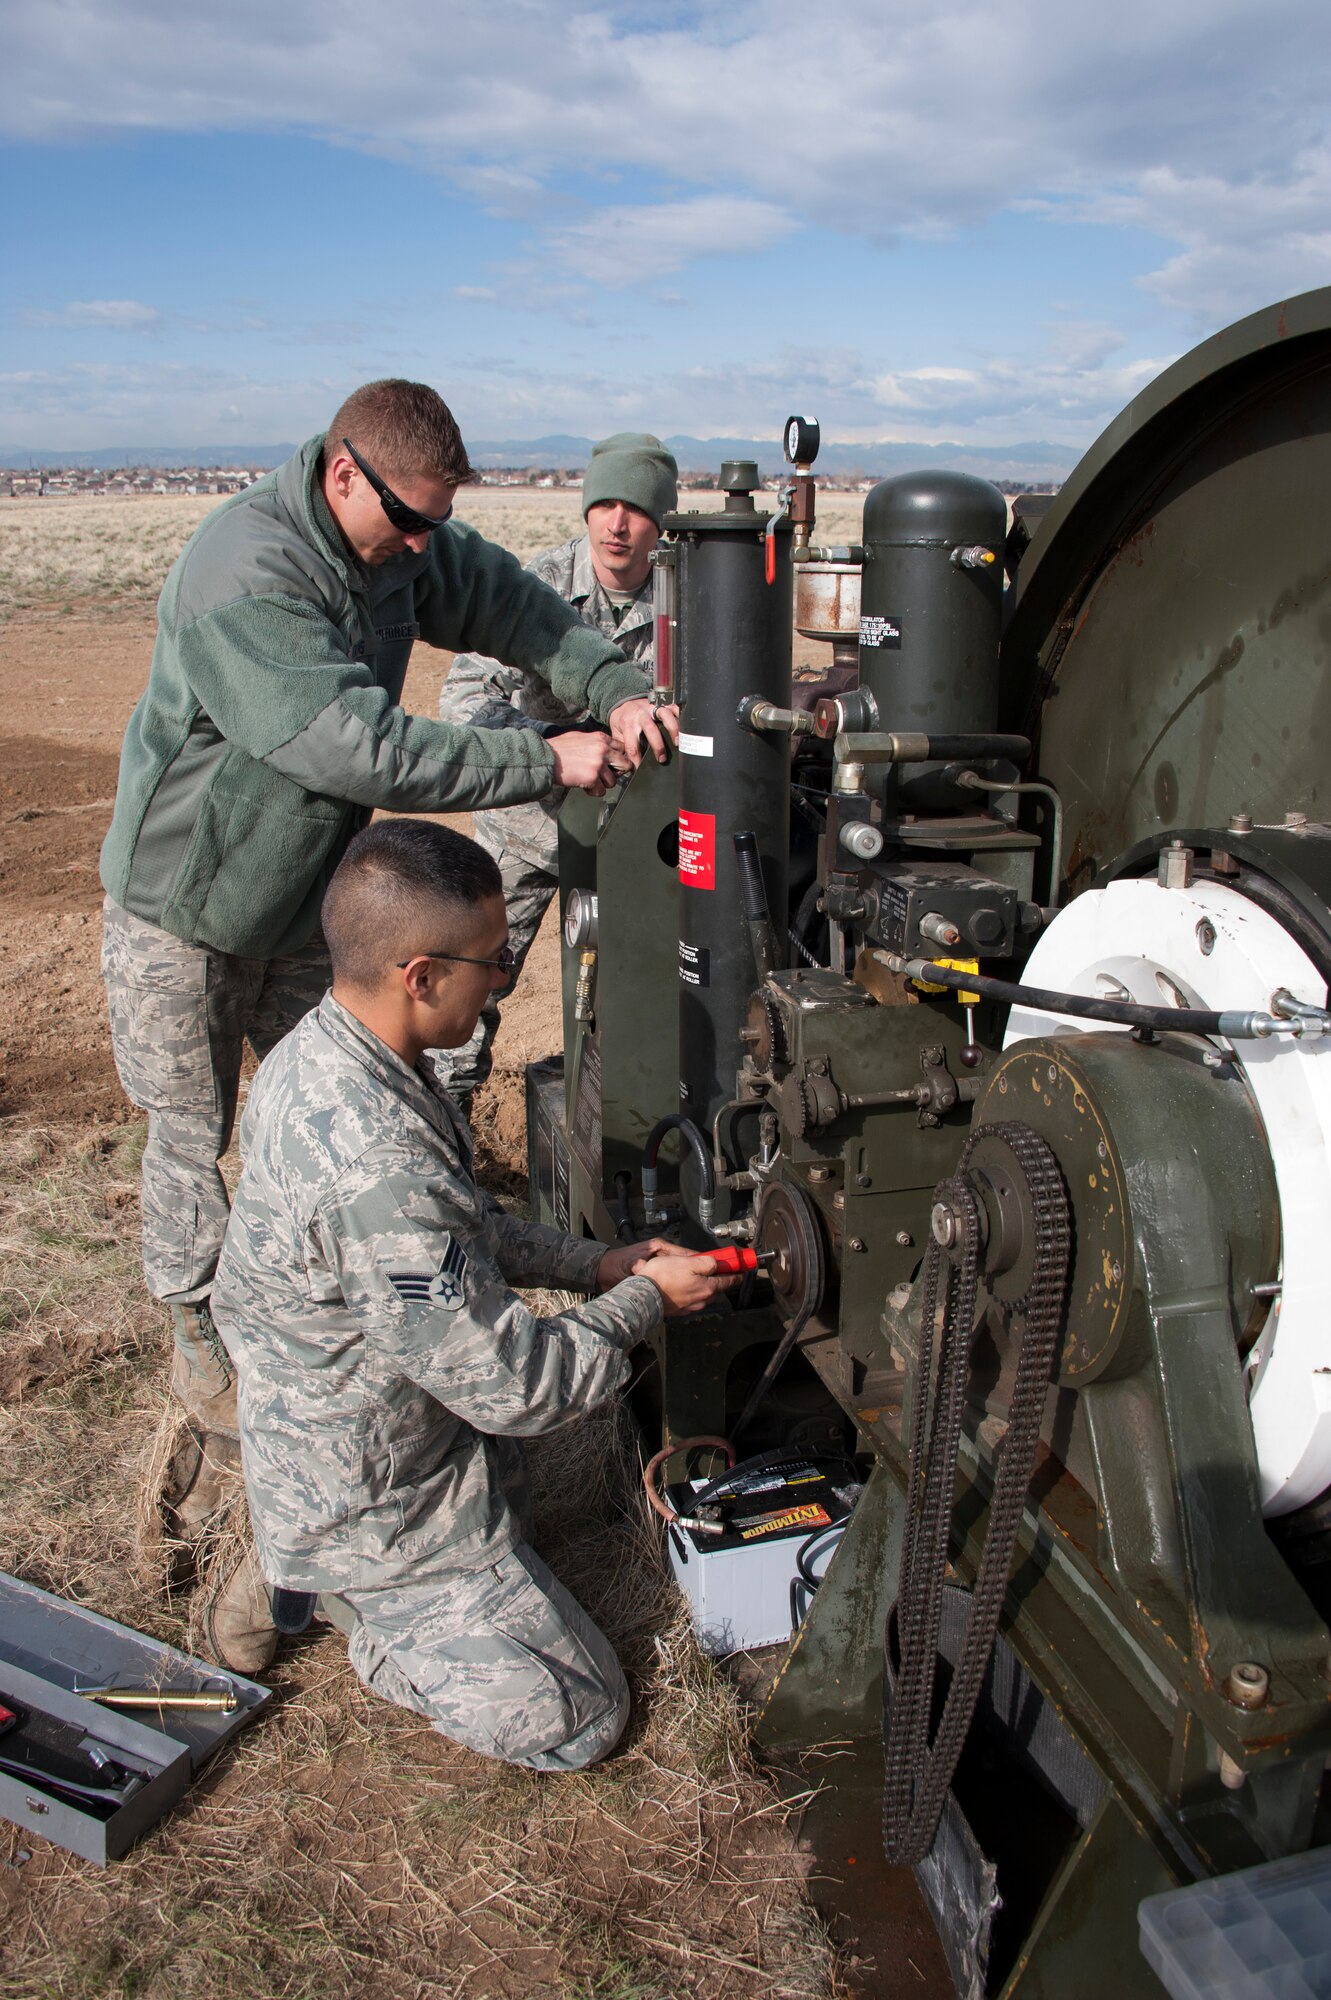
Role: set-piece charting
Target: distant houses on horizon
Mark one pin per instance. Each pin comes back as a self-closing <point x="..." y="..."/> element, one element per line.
<point x="143" y="481"/>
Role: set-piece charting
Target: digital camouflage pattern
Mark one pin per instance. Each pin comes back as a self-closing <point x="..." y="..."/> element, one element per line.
<point x="180" y="1017"/>
<point x="502" y="1659"/>
<point x="488" y="695"/>
<point x="524" y="839"/>
<point x="364" y="1296"/>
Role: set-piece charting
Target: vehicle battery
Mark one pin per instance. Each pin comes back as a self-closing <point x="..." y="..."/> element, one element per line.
<point x="739" y="1581"/>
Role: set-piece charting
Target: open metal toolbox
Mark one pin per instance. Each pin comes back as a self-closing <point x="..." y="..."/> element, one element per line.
<point x="50" y="1650"/>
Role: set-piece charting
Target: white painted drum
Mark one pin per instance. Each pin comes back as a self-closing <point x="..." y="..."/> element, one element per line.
<point x="1139" y="941"/>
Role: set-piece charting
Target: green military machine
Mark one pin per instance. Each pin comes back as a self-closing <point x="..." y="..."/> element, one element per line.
<point x="982" y="993"/>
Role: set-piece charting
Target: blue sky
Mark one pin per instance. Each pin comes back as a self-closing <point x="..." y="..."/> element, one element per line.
<point x="966" y="222"/>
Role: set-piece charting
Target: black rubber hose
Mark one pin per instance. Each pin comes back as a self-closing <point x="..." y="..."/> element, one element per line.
<point x="982" y="748"/>
<point x="623" y="1214"/>
<point x="673" y="1122"/>
<point x="1121" y="1013"/>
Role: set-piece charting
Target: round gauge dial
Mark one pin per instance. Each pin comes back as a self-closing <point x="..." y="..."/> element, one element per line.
<point x="802" y="440"/>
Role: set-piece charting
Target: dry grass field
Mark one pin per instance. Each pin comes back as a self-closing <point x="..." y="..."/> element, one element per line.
<point x="339" y="1848"/>
<point x="63" y="552"/>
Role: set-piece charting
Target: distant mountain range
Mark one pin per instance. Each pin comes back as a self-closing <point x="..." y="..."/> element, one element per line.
<point x="1036" y="463"/>
<point x="1041" y="464"/>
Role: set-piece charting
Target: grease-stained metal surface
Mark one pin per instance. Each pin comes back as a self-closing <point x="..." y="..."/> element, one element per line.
<point x="1184" y="575"/>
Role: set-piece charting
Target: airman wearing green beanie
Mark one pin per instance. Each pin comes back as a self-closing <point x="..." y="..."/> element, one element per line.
<point x="635" y="467"/>
<point x="631" y="484"/>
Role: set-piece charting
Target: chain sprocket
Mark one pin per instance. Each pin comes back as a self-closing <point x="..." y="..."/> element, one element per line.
<point x="918" y="1772"/>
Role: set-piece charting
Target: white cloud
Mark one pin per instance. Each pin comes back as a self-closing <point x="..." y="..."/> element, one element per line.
<point x="623" y="246"/>
<point x="106" y="315"/>
<point x="873" y="118"/>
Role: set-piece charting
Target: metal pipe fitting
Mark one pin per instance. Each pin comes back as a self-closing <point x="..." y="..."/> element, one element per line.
<point x="971" y="781"/>
<point x="758" y="715"/>
<point x="912" y="747"/>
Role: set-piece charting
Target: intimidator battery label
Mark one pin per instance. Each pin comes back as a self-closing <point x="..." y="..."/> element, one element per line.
<point x="697" y="850"/>
<point x="808" y="1516"/>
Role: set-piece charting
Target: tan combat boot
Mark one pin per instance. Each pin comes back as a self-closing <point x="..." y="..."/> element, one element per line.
<point x="238" y="1619"/>
<point x="205" y="1470"/>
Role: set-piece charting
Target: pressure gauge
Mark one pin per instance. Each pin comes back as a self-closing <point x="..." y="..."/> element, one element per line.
<point x="580" y="920"/>
<point x="802" y="440"/>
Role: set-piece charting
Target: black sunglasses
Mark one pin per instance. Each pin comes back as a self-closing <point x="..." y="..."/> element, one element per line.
<point x="405" y="519"/>
<point x="504" y="963"/>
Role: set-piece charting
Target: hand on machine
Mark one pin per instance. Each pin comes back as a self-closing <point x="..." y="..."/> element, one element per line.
<point x="686" y="1279"/>
<point x="588" y="760"/>
<point x="634" y="722"/>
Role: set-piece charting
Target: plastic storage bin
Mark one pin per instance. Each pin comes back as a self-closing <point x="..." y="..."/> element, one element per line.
<point x="1262" y="1934"/>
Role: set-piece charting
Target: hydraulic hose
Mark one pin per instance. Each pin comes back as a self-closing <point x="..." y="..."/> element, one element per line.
<point x="623" y="1213"/>
<point x="1120" y="1013"/>
<point x="707" y="1178"/>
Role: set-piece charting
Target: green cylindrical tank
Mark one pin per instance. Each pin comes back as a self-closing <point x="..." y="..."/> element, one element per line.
<point x="931" y="603"/>
<point x="734" y="639"/>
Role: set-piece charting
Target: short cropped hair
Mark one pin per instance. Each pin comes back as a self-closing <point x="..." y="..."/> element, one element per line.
<point x="405" y="429"/>
<point x="403" y="886"/>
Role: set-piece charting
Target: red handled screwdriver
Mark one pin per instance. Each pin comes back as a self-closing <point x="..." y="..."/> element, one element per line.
<point x="736" y="1258"/>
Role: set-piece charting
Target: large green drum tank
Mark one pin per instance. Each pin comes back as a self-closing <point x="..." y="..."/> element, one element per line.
<point x="1172" y="625"/>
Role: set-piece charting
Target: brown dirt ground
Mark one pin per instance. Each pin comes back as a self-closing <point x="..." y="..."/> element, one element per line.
<point x="68" y="684"/>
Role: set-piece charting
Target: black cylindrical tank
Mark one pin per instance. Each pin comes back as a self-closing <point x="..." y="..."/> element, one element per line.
<point x="931" y="601"/>
<point x="733" y="639"/>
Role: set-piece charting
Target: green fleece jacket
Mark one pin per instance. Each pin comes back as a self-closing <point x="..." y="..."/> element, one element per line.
<point x="270" y="726"/>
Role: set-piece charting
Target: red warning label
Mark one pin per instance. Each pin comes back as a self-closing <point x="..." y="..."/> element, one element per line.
<point x="697" y="849"/>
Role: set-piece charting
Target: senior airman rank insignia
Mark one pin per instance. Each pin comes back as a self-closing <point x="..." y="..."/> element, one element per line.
<point x="438" y="1288"/>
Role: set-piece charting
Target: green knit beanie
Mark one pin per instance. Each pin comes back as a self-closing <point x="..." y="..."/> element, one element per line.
<point x="635" y="467"/>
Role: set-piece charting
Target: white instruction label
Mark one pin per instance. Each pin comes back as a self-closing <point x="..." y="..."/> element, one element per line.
<point x="878" y="631"/>
<point x="694" y="746"/>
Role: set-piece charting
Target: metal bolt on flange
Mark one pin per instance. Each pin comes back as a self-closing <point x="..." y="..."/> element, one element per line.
<point x="945" y="1224"/>
<point x="1247" y="1684"/>
<point x="904" y="1239"/>
<point x="856" y="1243"/>
<point x="1240" y="822"/>
<point x="1206" y="937"/>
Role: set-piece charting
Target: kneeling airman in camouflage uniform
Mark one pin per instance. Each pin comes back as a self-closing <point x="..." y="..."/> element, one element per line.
<point x="605" y="575"/>
<point x="385" y="1367"/>
<point x="269" y="731"/>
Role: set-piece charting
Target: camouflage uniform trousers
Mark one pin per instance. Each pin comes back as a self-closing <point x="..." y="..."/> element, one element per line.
<point x="502" y="1659"/>
<point x="180" y="1017"/>
<point x="529" y="884"/>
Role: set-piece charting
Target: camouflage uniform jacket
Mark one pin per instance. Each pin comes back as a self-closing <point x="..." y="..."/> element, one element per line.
<point x="488" y="695"/>
<point x="364" y="1296"/>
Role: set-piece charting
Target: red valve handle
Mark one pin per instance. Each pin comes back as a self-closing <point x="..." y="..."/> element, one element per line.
<point x="769" y="552"/>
